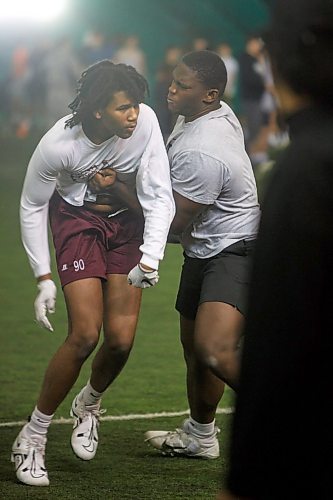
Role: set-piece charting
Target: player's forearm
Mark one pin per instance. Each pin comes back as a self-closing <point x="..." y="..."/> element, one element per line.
<point x="35" y="238"/>
<point x="158" y="215"/>
<point x="39" y="185"/>
<point x="126" y="195"/>
<point x="154" y="192"/>
<point x="155" y="196"/>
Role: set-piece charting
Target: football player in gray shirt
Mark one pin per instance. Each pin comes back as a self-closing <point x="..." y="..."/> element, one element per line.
<point x="217" y="217"/>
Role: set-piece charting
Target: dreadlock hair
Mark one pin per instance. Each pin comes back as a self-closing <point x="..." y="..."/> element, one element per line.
<point x="210" y="68"/>
<point x="98" y="84"/>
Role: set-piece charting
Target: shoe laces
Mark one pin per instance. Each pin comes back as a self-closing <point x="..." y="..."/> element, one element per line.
<point x="84" y="410"/>
<point x="96" y="412"/>
<point x="180" y="436"/>
<point x="37" y="443"/>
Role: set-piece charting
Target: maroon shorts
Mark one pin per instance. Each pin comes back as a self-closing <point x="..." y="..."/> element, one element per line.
<point x="88" y="244"/>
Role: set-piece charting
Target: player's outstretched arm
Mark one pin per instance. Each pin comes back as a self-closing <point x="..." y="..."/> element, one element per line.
<point x="154" y="191"/>
<point x="38" y="188"/>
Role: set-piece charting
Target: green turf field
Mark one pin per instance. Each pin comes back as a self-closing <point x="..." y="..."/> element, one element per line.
<point x="152" y="382"/>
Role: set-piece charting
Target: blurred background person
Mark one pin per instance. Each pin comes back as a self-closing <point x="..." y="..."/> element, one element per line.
<point x="224" y="50"/>
<point x="200" y="43"/>
<point x="38" y="84"/>
<point x="131" y="53"/>
<point x="96" y="46"/>
<point x="61" y="72"/>
<point x="269" y="126"/>
<point x="252" y="87"/>
<point x="18" y="90"/>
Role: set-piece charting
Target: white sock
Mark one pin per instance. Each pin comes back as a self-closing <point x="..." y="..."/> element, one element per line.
<point x="202" y="430"/>
<point x="38" y="424"/>
<point x="90" y="396"/>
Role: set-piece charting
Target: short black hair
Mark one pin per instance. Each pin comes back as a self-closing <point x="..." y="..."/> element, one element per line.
<point x="98" y="84"/>
<point x="210" y="68"/>
<point x="253" y="36"/>
<point x="300" y="44"/>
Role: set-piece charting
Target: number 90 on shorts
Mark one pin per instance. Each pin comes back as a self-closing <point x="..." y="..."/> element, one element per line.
<point x="78" y="265"/>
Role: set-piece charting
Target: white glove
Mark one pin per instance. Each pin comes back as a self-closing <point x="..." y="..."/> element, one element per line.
<point x="45" y="303"/>
<point x="142" y="279"/>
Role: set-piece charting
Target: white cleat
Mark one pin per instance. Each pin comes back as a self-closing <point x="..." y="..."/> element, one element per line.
<point x="181" y="442"/>
<point x="84" y="439"/>
<point x="28" y="456"/>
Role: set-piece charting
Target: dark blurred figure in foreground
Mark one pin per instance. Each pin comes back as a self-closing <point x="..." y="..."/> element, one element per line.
<point x="282" y="430"/>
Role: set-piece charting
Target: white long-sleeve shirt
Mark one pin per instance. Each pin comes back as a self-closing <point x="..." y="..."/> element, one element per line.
<point x="65" y="159"/>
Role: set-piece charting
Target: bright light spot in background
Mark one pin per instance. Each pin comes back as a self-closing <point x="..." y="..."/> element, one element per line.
<point x="31" y="10"/>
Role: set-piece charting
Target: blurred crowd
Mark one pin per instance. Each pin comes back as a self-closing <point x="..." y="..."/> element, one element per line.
<point x="41" y="80"/>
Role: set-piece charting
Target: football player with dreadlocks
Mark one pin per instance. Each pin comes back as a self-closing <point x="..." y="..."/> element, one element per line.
<point x="101" y="175"/>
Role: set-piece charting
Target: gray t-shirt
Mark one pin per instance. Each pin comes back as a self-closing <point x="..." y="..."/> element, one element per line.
<point x="209" y="165"/>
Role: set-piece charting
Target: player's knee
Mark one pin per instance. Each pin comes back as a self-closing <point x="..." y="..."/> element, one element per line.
<point x="209" y="355"/>
<point x="83" y="343"/>
<point x="120" y="348"/>
<point x="222" y="361"/>
<point x="203" y="355"/>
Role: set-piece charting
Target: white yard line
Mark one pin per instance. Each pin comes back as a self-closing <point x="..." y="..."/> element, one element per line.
<point x="109" y="418"/>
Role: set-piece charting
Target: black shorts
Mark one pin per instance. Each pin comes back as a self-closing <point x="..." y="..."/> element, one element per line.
<point x="222" y="278"/>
